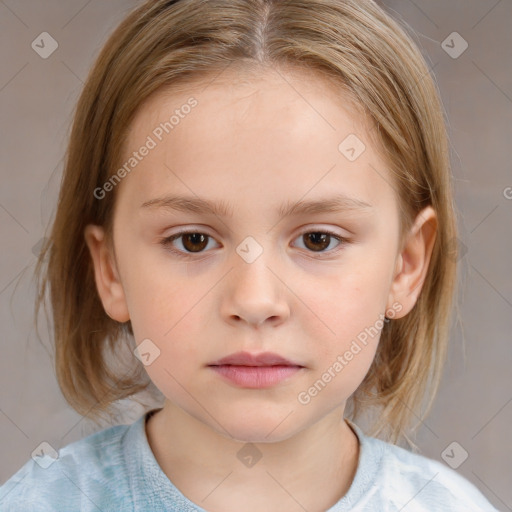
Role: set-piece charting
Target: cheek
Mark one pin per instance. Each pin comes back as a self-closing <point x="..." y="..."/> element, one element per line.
<point x="342" y="352"/>
<point x="344" y="303"/>
<point x="343" y="324"/>
<point x="164" y="311"/>
<point x="173" y="322"/>
<point x="157" y="295"/>
<point x="166" y="305"/>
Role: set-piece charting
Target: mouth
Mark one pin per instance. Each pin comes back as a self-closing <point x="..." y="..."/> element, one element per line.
<point x="255" y="370"/>
<point x="248" y="359"/>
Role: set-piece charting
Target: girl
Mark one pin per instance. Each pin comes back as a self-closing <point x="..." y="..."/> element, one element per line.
<point x="255" y="206"/>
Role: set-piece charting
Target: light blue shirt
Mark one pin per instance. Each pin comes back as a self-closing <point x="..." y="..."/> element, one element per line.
<point x="115" y="470"/>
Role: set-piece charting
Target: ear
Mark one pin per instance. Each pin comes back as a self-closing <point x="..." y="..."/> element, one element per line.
<point x="109" y="285"/>
<point x="413" y="261"/>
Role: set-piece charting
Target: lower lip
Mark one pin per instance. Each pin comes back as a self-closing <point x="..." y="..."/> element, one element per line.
<point x="256" y="376"/>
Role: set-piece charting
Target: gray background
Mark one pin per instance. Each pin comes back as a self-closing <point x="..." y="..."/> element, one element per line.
<point x="37" y="97"/>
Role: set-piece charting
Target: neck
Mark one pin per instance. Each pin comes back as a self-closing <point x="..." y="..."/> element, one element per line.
<point x="311" y="470"/>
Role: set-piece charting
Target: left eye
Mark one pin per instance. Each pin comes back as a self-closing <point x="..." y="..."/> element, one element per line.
<point x="194" y="242"/>
<point x="318" y="241"/>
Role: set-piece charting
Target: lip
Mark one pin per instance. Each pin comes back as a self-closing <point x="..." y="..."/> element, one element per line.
<point x="248" y="359"/>
<point x="255" y="370"/>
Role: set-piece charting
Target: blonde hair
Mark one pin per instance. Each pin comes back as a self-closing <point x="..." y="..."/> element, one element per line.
<point x="352" y="43"/>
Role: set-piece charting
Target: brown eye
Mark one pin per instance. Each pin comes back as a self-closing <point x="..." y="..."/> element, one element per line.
<point x="195" y="242"/>
<point x="317" y="241"/>
<point x="191" y="242"/>
<point x="322" y="242"/>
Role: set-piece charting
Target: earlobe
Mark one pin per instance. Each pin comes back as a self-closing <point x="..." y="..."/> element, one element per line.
<point x="413" y="261"/>
<point x="106" y="275"/>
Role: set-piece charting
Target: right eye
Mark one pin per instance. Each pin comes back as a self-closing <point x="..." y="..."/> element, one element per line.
<point x="193" y="242"/>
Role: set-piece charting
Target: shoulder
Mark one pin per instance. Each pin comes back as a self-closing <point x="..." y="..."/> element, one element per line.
<point x="79" y="476"/>
<point x="420" y="483"/>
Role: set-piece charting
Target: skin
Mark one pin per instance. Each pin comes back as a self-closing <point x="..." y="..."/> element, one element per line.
<point x="256" y="144"/>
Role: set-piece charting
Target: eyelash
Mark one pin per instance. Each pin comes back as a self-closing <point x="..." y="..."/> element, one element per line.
<point x="167" y="242"/>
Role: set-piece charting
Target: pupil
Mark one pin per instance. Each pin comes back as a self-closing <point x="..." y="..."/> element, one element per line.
<point x="319" y="238"/>
<point x="196" y="238"/>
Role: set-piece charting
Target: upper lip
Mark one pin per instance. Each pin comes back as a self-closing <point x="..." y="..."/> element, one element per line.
<point x="248" y="359"/>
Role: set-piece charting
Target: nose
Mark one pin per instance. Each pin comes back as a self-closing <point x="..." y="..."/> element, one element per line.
<point x="255" y="294"/>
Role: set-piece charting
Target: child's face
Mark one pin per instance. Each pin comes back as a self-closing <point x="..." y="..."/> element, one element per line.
<point x="255" y="147"/>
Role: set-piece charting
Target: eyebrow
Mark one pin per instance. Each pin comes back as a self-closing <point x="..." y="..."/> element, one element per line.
<point x="333" y="204"/>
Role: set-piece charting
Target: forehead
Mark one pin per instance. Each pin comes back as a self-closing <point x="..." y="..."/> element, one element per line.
<point x="269" y="132"/>
<point x="245" y="90"/>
